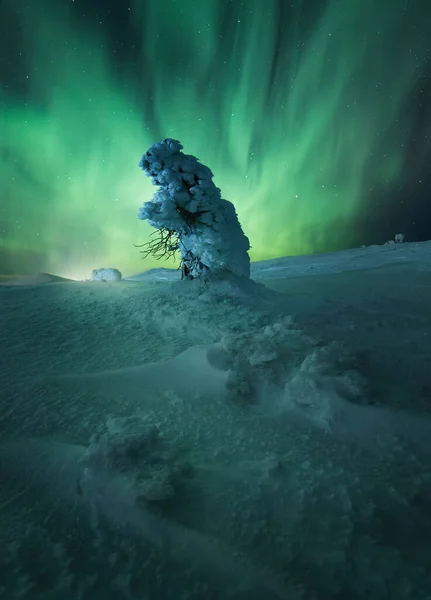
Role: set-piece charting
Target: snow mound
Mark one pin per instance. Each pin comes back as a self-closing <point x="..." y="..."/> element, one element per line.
<point x="158" y="274"/>
<point x="134" y="448"/>
<point x="105" y="275"/>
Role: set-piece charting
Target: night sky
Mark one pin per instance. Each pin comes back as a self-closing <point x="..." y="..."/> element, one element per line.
<point x="314" y="115"/>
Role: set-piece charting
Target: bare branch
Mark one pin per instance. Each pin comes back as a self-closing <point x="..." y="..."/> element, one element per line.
<point x="164" y="245"/>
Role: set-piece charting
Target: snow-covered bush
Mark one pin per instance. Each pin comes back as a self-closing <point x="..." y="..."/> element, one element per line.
<point x="190" y="215"/>
<point x="133" y="448"/>
<point x="400" y="238"/>
<point x="105" y="275"/>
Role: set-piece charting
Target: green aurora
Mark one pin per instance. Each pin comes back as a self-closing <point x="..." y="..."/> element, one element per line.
<point x="297" y="115"/>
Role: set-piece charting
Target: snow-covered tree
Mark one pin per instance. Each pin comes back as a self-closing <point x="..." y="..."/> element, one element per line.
<point x="105" y="275"/>
<point x="191" y="216"/>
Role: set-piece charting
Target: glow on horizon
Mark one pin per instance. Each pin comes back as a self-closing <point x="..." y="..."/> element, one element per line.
<point x="297" y="133"/>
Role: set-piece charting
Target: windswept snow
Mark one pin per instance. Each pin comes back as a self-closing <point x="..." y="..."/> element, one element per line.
<point x="39" y="279"/>
<point x="220" y="440"/>
<point x="417" y="254"/>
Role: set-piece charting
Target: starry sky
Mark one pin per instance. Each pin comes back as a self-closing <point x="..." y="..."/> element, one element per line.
<point x="314" y="115"/>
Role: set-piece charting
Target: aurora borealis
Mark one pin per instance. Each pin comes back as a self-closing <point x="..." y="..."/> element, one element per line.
<point x="314" y="116"/>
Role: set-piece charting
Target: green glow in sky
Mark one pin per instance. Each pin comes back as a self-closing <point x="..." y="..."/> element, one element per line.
<point x="299" y="125"/>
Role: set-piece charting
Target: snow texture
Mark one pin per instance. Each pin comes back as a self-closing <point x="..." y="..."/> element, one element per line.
<point x="188" y="202"/>
<point x="105" y="275"/>
<point x="226" y="441"/>
<point x="38" y="279"/>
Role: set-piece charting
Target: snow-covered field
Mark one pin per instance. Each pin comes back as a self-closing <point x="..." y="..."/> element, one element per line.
<point x="174" y="440"/>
